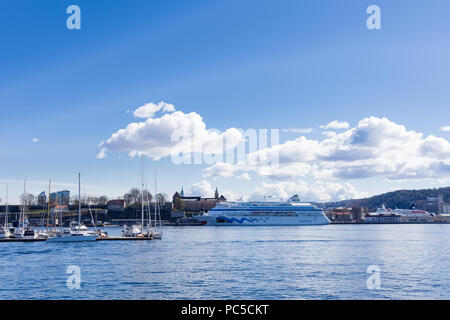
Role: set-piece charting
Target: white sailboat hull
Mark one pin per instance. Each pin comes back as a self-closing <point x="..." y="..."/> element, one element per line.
<point x="156" y="234"/>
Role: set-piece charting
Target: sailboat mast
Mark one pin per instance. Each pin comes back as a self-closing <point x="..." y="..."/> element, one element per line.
<point x="48" y="202"/>
<point x="142" y="191"/>
<point x="156" y="199"/>
<point x="6" y="206"/>
<point x="79" y="199"/>
<point x="24" y="201"/>
<point x="60" y="213"/>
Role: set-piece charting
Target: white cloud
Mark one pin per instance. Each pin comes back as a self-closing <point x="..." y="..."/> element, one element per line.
<point x="202" y="188"/>
<point x="171" y="134"/>
<point x="35" y="140"/>
<point x="329" y="134"/>
<point x="294" y="130"/>
<point x="231" y="196"/>
<point x="102" y="153"/>
<point x="244" y="176"/>
<point x="375" y="147"/>
<point x="445" y="128"/>
<point x="316" y="192"/>
<point x="336" y="125"/>
<point x="148" y="110"/>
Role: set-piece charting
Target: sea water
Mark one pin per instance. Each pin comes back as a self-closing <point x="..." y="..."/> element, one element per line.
<point x="299" y="262"/>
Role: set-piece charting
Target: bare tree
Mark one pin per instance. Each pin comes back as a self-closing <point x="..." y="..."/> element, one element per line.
<point x="102" y="200"/>
<point x="161" y="198"/>
<point x="147" y="196"/>
<point x="27" y="199"/>
<point x="134" y="196"/>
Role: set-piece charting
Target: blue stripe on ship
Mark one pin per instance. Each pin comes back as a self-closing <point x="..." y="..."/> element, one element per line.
<point x="231" y="220"/>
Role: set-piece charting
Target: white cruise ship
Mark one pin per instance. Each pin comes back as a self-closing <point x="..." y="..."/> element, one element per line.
<point x="407" y="215"/>
<point x="292" y="213"/>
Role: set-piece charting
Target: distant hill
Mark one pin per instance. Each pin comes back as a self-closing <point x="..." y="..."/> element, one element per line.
<point x="396" y="199"/>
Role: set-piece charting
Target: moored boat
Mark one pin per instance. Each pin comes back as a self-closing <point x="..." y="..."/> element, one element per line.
<point x="77" y="232"/>
<point x="291" y="213"/>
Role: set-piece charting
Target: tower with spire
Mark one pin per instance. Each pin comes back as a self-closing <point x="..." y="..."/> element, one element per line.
<point x="216" y="194"/>
<point x="182" y="192"/>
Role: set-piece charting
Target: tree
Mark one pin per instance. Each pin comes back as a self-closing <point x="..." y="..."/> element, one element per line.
<point x="102" y="200"/>
<point x="134" y="196"/>
<point x="147" y="196"/>
<point x="27" y="199"/>
<point x="161" y="198"/>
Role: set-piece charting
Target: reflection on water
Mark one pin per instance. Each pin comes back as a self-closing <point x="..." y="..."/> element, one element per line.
<point x="310" y="262"/>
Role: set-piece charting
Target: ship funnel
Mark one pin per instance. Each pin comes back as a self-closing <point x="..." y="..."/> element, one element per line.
<point x="294" y="198"/>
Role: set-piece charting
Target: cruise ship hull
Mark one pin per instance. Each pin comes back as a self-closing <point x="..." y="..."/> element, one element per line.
<point x="319" y="219"/>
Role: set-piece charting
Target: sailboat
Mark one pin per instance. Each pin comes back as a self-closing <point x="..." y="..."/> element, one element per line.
<point x="137" y="231"/>
<point x="23" y="231"/>
<point x="156" y="233"/>
<point x="77" y="231"/>
<point x="4" y="230"/>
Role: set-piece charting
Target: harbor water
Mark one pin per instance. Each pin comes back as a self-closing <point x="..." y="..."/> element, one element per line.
<point x="307" y="262"/>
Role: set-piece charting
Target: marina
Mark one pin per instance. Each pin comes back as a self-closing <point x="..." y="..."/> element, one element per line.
<point x="107" y="238"/>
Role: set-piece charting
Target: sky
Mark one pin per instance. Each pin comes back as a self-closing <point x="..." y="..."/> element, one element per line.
<point x="358" y="112"/>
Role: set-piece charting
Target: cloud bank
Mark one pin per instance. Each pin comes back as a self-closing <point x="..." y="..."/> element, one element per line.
<point x="173" y="133"/>
<point x="375" y="147"/>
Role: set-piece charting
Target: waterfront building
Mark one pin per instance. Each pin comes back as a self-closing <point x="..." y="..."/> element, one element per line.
<point x="59" y="209"/>
<point x="42" y="198"/>
<point x="63" y="197"/>
<point x="53" y="197"/>
<point x="433" y="204"/>
<point x="383" y="218"/>
<point x="445" y="208"/>
<point x="60" y="197"/>
<point x="341" y="215"/>
<point x="117" y="205"/>
<point x="442" y="218"/>
<point x="195" y="204"/>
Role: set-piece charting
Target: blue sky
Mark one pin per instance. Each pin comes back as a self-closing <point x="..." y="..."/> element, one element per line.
<point x="237" y="64"/>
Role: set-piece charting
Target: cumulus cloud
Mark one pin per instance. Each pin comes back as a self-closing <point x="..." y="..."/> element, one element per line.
<point x="148" y="110"/>
<point x="336" y="125"/>
<point x="244" y="176"/>
<point x="329" y="134"/>
<point x="375" y="147"/>
<point x="35" y="140"/>
<point x="171" y="134"/>
<point x="445" y="128"/>
<point x="102" y="153"/>
<point x="202" y="188"/>
<point x="317" y="192"/>
<point x="294" y="130"/>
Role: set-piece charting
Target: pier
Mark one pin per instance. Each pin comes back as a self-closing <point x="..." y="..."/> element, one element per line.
<point x="119" y="238"/>
<point x="107" y="238"/>
<point x="20" y="240"/>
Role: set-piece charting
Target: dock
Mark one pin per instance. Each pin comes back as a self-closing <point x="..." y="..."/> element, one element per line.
<point x="108" y="238"/>
<point x="20" y="240"/>
<point x="118" y="238"/>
